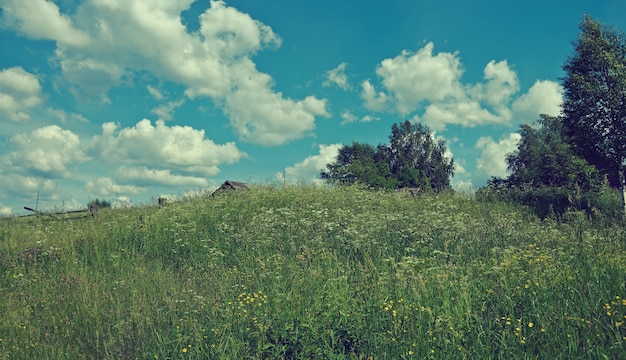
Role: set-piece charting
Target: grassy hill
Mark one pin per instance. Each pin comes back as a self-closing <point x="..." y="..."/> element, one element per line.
<point x="313" y="273"/>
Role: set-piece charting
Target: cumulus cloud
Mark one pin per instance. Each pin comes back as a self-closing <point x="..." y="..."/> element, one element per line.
<point x="106" y="42"/>
<point x="20" y="185"/>
<point x="264" y="117"/>
<point x="308" y="170"/>
<point x="144" y="175"/>
<point x="41" y="19"/>
<point x="106" y="186"/>
<point x="428" y="86"/>
<point x="415" y="77"/>
<point x="177" y="147"/>
<point x="492" y="161"/>
<point x="502" y="83"/>
<point x="544" y="97"/>
<point x="375" y="101"/>
<point x="45" y="152"/>
<point x="19" y="92"/>
<point x="338" y="77"/>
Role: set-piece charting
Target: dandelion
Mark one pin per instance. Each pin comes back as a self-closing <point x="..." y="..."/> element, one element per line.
<point x="184" y="350"/>
<point x="530" y="324"/>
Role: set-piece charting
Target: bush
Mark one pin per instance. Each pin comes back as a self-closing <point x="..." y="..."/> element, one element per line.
<point x="555" y="202"/>
<point x="98" y="204"/>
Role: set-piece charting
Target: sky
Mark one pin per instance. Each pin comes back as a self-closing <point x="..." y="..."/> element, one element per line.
<point x="129" y="100"/>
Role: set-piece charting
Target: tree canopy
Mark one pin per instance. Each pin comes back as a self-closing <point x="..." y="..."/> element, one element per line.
<point x="412" y="158"/>
<point x="562" y="163"/>
<point x="544" y="159"/>
<point x="594" y="108"/>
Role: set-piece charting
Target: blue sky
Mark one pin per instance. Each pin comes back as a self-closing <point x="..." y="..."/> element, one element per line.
<point x="128" y="100"/>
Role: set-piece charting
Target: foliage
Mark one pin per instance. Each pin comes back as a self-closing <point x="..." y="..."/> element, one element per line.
<point x="359" y="163"/>
<point x="603" y="204"/>
<point x="544" y="159"/>
<point x="594" y="109"/>
<point x="562" y="164"/>
<point x="547" y="176"/>
<point x="99" y="204"/>
<point x="411" y="159"/>
<point x="308" y="272"/>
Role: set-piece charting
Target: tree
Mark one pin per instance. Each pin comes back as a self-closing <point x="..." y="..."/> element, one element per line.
<point x="546" y="175"/>
<point x="411" y="159"/>
<point x="594" y="108"/>
<point x="544" y="159"/>
<point x="358" y="163"/>
<point x="415" y="159"/>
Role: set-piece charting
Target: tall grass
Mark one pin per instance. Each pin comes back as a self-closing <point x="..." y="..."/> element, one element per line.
<point x="314" y="273"/>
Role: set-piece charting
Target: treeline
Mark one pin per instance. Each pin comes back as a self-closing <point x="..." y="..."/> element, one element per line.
<point x="412" y="159"/>
<point x="574" y="161"/>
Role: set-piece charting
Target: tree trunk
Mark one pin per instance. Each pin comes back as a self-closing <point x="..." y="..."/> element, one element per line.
<point x="623" y="182"/>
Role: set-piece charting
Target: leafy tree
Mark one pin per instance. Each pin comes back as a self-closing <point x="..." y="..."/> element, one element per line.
<point x="416" y="159"/>
<point x="594" y="109"/>
<point x="411" y="159"/>
<point x="358" y="163"/>
<point x="546" y="175"/>
<point x="544" y="159"/>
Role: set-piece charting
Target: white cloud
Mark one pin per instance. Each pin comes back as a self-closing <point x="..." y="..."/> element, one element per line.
<point x="176" y="147"/>
<point x="309" y="169"/>
<point x="106" y="186"/>
<point x="166" y="111"/>
<point x="156" y="93"/>
<point x="337" y="77"/>
<point x="264" y="117"/>
<point x="465" y="112"/>
<point x="412" y="78"/>
<point x="46" y="152"/>
<point x="19" y="92"/>
<point x="144" y="175"/>
<point x="41" y="19"/>
<point x="347" y="118"/>
<point x="375" y="101"/>
<point x="5" y="210"/>
<point x="107" y="40"/>
<point x="544" y="97"/>
<point x="502" y="83"/>
<point x="492" y="161"/>
<point x="16" y="186"/>
<point x="429" y="87"/>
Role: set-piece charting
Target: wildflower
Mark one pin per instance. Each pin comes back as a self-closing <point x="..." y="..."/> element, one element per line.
<point x="530" y="324"/>
<point x="184" y="350"/>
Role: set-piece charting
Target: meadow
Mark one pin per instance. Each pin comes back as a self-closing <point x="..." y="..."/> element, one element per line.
<point x="303" y="272"/>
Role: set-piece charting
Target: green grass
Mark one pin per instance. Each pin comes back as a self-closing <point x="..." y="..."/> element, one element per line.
<point x="313" y="273"/>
